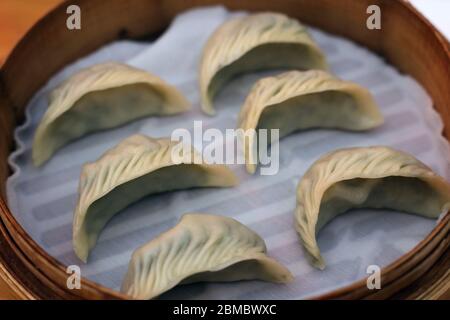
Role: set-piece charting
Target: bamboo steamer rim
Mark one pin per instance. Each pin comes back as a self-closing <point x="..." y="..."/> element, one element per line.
<point x="33" y="274"/>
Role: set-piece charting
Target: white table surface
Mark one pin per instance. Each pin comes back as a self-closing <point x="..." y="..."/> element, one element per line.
<point x="437" y="11"/>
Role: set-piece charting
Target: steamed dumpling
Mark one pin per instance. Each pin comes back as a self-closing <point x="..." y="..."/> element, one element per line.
<point x="373" y="177"/>
<point x="135" y="168"/>
<point x="298" y="100"/>
<point x="251" y="43"/>
<point x="101" y="97"/>
<point x="201" y="247"/>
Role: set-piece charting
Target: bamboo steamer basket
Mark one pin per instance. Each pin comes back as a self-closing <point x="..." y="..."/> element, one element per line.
<point x="406" y="40"/>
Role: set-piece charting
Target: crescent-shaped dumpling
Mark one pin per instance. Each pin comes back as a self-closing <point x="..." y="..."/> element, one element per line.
<point x="256" y="42"/>
<point x="297" y="100"/>
<point x="101" y="97"/>
<point x="373" y="177"/>
<point x="201" y="247"/>
<point x="135" y="168"/>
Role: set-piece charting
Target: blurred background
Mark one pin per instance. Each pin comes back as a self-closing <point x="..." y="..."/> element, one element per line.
<point x="17" y="16"/>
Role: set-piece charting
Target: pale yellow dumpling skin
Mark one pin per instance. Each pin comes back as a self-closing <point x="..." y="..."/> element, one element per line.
<point x="137" y="167"/>
<point x="101" y="97"/>
<point x="301" y="100"/>
<point x="201" y="247"/>
<point x="260" y="41"/>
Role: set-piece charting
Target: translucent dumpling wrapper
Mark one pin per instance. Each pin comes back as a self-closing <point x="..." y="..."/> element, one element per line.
<point x="372" y="177"/>
<point x="101" y="97"/>
<point x="136" y="167"/>
<point x="200" y="248"/>
<point x="256" y="42"/>
<point x="297" y="100"/>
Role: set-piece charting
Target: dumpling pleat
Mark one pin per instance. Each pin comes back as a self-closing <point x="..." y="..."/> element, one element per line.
<point x="108" y="181"/>
<point x="371" y="177"/>
<point x="201" y="247"/>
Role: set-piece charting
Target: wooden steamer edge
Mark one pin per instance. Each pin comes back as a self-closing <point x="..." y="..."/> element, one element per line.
<point x="410" y="43"/>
